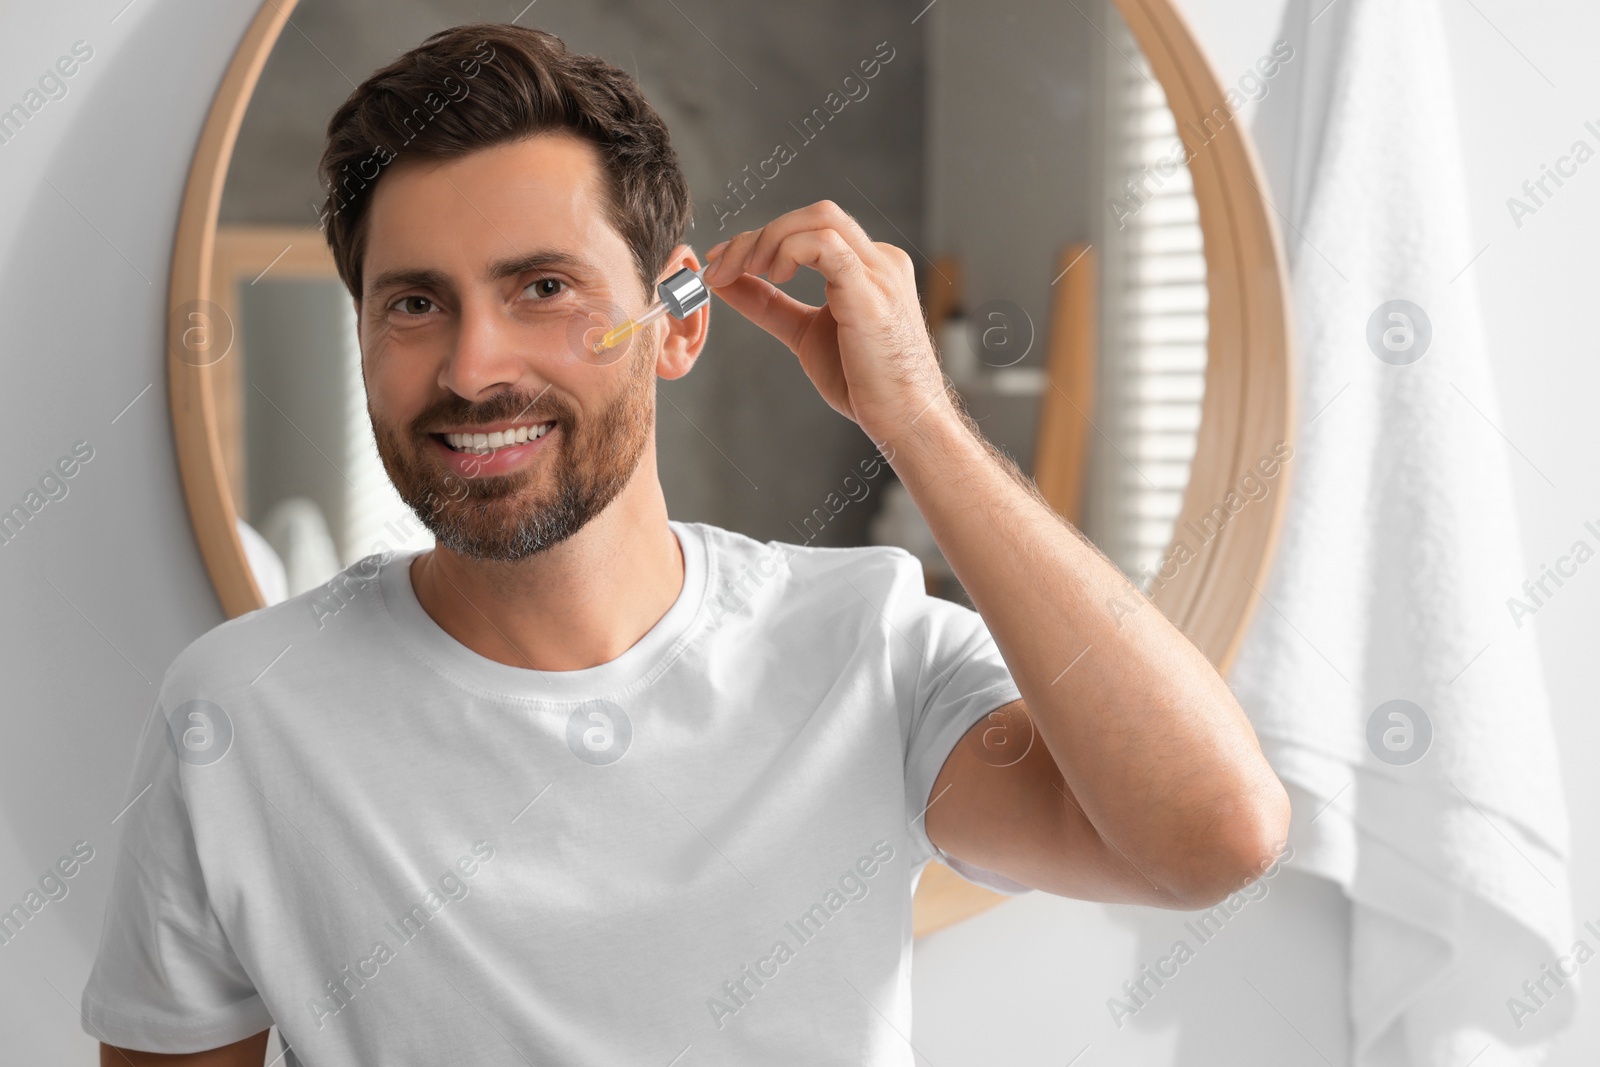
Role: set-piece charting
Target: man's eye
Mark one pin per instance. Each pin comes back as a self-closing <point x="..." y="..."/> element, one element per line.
<point x="537" y="287"/>
<point x="413" y="305"/>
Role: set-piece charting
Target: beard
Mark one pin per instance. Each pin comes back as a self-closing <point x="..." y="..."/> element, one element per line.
<point x="507" y="517"/>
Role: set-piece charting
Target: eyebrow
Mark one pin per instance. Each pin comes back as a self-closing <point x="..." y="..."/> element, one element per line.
<point x="428" y="278"/>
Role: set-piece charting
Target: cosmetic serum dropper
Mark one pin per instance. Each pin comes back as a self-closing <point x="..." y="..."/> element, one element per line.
<point x="684" y="292"/>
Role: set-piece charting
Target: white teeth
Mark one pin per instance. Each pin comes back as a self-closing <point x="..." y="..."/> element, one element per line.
<point x="482" y="444"/>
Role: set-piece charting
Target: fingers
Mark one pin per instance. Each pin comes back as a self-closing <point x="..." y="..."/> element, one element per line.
<point x="769" y="307"/>
<point x="753" y="251"/>
<point x="825" y="251"/>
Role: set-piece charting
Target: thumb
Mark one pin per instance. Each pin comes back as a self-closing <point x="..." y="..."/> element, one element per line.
<point x="769" y="307"/>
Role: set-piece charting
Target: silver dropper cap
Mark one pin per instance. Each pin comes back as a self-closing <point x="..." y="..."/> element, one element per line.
<point x="683" y="293"/>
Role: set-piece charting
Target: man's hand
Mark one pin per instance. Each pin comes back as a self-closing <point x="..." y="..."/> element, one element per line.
<point x="867" y="348"/>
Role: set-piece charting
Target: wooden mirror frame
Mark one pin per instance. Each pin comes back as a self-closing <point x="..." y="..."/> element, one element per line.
<point x="1247" y="412"/>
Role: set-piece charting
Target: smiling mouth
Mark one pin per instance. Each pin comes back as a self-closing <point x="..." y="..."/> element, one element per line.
<point x="478" y="444"/>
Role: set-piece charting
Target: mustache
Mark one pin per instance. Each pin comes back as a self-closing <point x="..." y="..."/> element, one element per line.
<point x="542" y="406"/>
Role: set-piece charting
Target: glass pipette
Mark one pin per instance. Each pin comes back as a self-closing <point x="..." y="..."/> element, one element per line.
<point x="684" y="292"/>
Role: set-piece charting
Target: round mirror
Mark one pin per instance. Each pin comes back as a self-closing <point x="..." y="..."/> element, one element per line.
<point x="1101" y="276"/>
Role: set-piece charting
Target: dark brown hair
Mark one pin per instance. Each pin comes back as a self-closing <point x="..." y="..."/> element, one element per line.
<point x="483" y="84"/>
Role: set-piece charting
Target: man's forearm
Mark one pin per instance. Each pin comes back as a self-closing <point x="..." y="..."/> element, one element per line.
<point x="1145" y="732"/>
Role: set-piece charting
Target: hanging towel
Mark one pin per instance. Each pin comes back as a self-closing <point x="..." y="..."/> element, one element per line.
<point x="1442" y="817"/>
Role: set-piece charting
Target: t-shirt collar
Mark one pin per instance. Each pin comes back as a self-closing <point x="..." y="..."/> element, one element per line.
<point x="635" y="668"/>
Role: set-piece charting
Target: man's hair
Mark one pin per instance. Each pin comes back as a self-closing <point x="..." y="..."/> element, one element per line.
<point x="484" y="84"/>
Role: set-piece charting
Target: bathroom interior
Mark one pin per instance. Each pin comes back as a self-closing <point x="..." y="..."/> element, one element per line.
<point x="1272" y="299"/>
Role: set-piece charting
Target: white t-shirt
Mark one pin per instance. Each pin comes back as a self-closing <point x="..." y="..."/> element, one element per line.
<point x="346" y="823"/>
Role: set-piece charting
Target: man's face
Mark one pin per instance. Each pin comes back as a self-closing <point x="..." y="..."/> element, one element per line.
<point x="482" y="277"/>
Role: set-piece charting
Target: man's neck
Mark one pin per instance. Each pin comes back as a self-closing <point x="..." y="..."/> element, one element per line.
<point x="578" y="604"/>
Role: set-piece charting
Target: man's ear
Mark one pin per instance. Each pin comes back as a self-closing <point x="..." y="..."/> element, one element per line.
<point x="686" y="337"/>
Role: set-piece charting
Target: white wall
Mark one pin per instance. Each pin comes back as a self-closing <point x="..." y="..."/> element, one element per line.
<point x="103" y="586"/>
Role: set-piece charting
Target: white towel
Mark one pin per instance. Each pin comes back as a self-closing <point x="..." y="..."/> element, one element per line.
<point x="272" y="578"/>
<point x="1398" y="554"/>
<point x="298" y="532"/>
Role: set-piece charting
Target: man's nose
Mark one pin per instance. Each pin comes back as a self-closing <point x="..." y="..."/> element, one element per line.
<point x="488" y="351"/>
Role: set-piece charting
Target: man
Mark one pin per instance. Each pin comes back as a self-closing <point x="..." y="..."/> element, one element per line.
<point x="585" y="786"/>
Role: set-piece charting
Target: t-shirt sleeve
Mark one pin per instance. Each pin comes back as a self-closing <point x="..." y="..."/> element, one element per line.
<point x="165" y="978"/>
<point x="959" y="678"/>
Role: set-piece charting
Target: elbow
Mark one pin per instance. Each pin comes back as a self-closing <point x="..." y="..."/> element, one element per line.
<point x="1243" y="845"/>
